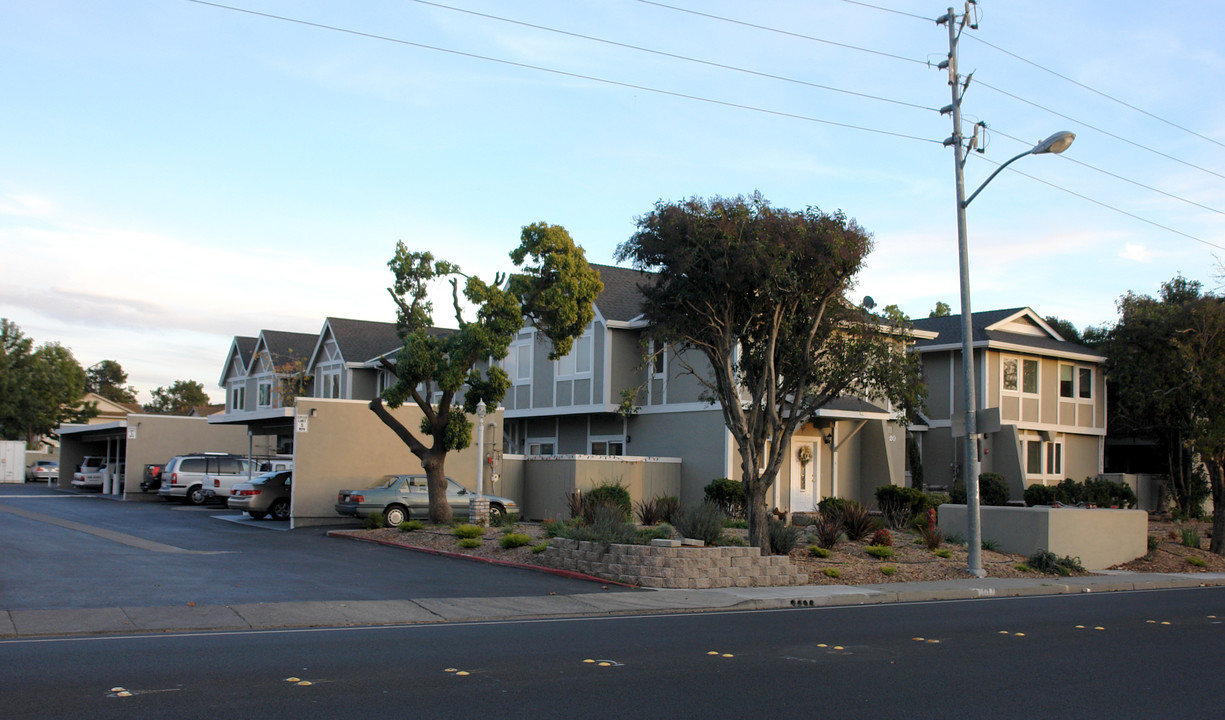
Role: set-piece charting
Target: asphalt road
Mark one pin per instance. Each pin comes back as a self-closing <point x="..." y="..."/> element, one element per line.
<point x="63" y="551"/>
<point x="1123" y="655"/>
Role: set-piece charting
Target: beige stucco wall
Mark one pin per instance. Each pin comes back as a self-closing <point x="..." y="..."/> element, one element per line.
<point x="343" y="445"/>
<point x="548" y="481"/>
<point x="1100" y="538"/>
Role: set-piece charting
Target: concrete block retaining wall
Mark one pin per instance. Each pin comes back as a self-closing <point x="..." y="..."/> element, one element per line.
<point x="675" y="567"/>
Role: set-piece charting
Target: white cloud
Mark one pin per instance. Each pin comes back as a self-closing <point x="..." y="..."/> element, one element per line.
<point x="1137" y="253"/>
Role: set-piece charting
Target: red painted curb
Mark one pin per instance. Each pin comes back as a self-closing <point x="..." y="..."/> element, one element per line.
<point x="473" y="558"/>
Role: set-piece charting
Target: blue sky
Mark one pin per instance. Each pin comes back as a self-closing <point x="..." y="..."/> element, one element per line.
<point x="174" y="174"/>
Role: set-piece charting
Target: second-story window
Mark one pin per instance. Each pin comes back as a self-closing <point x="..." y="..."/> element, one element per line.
<point x="518" y="361"/>
<point x="265" y="393"/>
<point x="578" y="362"/>
<point x="1020" y="375"/>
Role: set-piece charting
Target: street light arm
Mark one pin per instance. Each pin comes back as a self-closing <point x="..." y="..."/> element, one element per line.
<point x="991" y="177"/>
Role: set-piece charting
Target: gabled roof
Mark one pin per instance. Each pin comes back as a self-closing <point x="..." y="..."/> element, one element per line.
<point x="285" y="346"/>
<point x="242" y="348"/>
<point x="621" y="299"/>
<point x="357" y="340"/>
<point x="1018" y="329"/>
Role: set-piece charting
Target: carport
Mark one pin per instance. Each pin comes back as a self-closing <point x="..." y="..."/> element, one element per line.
<point x="140" y="440"/>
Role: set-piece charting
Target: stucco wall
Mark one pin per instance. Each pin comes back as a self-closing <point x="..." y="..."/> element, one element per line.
<point x="697" y="436"/>
<point x="158" y="438"/>
<point x="1099" y="537"/>
<point x="549" y="481"/>
<point x="343" y="445"/>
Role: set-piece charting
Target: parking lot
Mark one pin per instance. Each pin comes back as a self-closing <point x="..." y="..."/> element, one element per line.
<point x="67" y="550"/>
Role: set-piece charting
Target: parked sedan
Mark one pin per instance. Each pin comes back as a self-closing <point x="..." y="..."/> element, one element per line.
<point x="43" y="471"/>
<point x="404" y="497"/>
<point x="264" y="495"/>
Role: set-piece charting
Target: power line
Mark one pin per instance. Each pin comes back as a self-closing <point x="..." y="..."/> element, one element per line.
<point x="1111" y="207"/>
<point x="675" y="56"/>
<point x="720" y="18"/>
<point x="1117" y="176"/>
<point x="564" y="73"/>
<point x="1104" y="132"/>
<point x="1098" y="92"/>
<point x="889" y="10"/>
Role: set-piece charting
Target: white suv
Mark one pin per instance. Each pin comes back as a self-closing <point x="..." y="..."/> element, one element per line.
<point x="184" y="477"/>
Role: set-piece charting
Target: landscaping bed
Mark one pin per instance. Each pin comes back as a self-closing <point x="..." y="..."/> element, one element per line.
<point x="853" y="565"/>
<point x="1170" y="554"/>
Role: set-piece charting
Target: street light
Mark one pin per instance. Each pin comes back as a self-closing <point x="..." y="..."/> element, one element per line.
<point x="1056" y="143"/>
<point x="480" y="450"/>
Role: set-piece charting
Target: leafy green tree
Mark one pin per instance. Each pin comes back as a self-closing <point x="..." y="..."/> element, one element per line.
<point x="40" y="388"/>
<point x="942" y="309"/>
<point x="108" y="379"/>
<point x="1166" y="362"/>
<point x="555" y="290"/>
<point x="1066" y="329"/>
<point x="761" y="294"/>
<point x="181" y="396"/>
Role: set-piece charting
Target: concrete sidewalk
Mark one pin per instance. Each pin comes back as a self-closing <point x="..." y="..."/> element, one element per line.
<point x="17" y="624"/>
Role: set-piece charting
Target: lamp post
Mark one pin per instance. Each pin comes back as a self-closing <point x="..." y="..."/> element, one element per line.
<point x="1056" y="143"/>
<point x="480" y="450"/>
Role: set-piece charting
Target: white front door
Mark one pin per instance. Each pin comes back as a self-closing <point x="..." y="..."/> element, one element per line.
<point x="804" y="494"/>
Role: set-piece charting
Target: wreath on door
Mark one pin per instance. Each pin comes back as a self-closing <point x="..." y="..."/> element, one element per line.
<point x="804" y="454"/>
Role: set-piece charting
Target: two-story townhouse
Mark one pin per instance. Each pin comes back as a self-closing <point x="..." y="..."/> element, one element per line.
<point x="1042" y="400"/>
<point x="574" y="405"/>
<point x="343" y="363"/>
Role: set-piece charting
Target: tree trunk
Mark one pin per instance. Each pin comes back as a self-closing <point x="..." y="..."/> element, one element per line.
<point x="1216" y="477"/>
<point x="757" y="515"/>
<point x="440" y="509"/>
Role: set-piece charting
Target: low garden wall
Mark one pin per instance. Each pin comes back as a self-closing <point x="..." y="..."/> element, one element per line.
<point x="674" y="567"/>
<point x="1099" y="537"/>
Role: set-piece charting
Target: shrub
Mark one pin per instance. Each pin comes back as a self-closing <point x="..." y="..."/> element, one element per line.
<point x="856" y="522"/>
<point x="647" y="534"/>
<point x="541" y="547"/>
<point x="553" y="528"/>
<point x="1048" y="562"/>
<point x="374" y="521"/>
<point x="504" y="520"/>
<point x="826" y="530"/>
<point x="882" y="537"/>
<point x="943" y="553"/>
<point x="783" y="537"/>
<point x="1189" y="536"/>
<point x="661" y="508"/>
<point x="991" y="545"/>
<point x="931" y="536"/>
<point x="1039" y="494"/>
<point x="738" y="523"/>
<point x="727" y="495"/>
<point x="514" y="540"/>
<point x="1107" y="493"/>
<point x="879" y="551"/>
<point x="411" y="525"/>
<point x="899" y="504"/>
<point x="469" y="543"/>
<point x="887" y="570"/>
<point x="607" y="526"/>
<point x="935" y="499"/>
<point x="614" y="494"/>
<point x="1022" y="567"/>
<point x="831" y="506"/>
<point x="992" y="490"/>
<point x="1153" y="542"/>
<point x="832" y="572"/>
<point x="468" y="531"/>
<point x="1070" y="492"/>
<point x="701" y="522"/>
<point x="1196" y="561"/>
<point x="731" y="540"/>
<point x="818" y="551"/>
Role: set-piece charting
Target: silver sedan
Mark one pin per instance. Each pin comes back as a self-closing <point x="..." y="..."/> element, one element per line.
<point x="266" y="494"/>
<point x="403" y="497"/>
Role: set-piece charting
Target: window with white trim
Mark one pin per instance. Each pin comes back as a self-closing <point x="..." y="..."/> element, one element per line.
<point x="578" y="361"/>
<point x="1043" y="457"/>
<point x="1075" y="383"/>
<point x="613" y="445"/>
<point x="518" y="360"/>
<point x="1020" y="375"/>
<point x="659" y="362"/>
<point x="329" y="383"/>
<point x="265" y="393"/>
<point x="541" y="447"/>
<point x="238" y="397"/>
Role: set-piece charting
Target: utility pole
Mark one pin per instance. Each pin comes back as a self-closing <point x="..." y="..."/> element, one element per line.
<point x="970" y="463"/>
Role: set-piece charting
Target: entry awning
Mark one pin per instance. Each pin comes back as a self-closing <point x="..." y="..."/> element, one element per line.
<point x="851" y="408"/>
